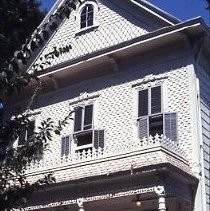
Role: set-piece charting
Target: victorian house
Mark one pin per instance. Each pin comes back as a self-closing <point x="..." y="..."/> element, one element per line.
<point x="139" y="79"/>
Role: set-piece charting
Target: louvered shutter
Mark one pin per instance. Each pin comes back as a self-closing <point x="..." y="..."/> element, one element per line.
<point x="156" y="99"/>
<point x="143" y="127"/>
<point x="65" y="146"/>
<point x="78" y="119"/>
<point x="88" y="117"/>
<point x="171" y="126"/>
<point x="143" y="103"/>
<point x="98" y="139"/>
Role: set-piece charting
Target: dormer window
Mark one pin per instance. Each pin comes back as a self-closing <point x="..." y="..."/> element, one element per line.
<point x="87" y="16"/>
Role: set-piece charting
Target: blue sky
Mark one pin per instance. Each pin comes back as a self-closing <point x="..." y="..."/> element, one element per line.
<point x="182" y="9"/>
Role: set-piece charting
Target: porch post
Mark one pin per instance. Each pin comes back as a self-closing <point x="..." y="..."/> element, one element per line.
<point x="159" y="190"/>
<point x="80" y="204"/>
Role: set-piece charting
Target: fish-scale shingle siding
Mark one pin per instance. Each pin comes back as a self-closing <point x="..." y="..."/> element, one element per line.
<point x="113" y="28"/>
<point x="115" y="104"/>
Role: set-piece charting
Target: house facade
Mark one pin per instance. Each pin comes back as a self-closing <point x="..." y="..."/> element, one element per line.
<point x="137" y="80"/>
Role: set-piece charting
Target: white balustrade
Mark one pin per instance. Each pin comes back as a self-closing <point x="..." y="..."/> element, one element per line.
<point x="111" y="150"/>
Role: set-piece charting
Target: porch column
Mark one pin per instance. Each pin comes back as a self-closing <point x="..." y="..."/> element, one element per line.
<point x="159" y="190"/>
<point x="80" y="204"/>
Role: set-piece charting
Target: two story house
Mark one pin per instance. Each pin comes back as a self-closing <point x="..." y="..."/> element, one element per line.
<point x="139" y="82"/>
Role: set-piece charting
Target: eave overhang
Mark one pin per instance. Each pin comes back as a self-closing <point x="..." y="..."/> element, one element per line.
<point x="178" y="33"/>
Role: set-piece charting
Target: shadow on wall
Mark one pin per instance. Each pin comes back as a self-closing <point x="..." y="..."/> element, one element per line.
<point x="101" y="83"/>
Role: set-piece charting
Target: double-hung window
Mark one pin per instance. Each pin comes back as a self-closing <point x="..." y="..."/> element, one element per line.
<point x="151" y="118"/>
<point x="85" y="136"/>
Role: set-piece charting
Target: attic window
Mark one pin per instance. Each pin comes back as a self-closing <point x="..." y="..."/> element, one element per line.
<point x="87" y="16"/>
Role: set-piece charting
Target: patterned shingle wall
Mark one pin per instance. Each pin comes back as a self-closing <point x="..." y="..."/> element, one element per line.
<point x="115" y="26"/>
<point x="115" y="104"/>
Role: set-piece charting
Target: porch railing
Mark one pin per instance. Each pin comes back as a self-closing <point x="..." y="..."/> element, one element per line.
<point x="109" y="151"/>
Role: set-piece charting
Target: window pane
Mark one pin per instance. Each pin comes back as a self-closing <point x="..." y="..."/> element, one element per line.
<point x="86" y="18"/>
<point x="156" y="125"/>
<point x="90" y="22"/>
<point x="143" y="103"/>
<point x="83" y="25"/>
<point x="83" y="13"/>
<point x="90" y="8"/>
<point x="78" y="119"/>
<point x="156" y="99"/>
<point x="88" y="117"/>
<point x="84" y="139"/>
<point x="83" y="18"/>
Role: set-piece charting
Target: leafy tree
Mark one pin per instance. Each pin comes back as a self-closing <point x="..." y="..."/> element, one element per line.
<point x="14" y="187"/>
<point x="18" y="19"/>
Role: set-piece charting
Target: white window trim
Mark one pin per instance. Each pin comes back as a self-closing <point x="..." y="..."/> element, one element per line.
<point x="95" y="17"/>
<point x="143" y="86"/>
<point x="36" y="118"/>
<point x="74" y="143"/>
<point x="82" y="123"/>
<point x="149" y="99"/>
<point x="70" y="143"/>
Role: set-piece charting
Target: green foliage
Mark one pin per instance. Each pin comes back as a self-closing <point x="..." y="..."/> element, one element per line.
<point x="14" y="17"/>
<point x="15" y="190"/>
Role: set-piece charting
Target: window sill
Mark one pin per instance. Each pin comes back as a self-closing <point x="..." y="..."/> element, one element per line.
<point x="83" y="147"/>
<point x="86" y="30"/>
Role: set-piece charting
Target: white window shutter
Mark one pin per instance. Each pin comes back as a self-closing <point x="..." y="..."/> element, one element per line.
<point x="66" y="145"/>
<point x="98" y="139"/>
<point x="143" y="127"/>
<point x="171" y="126"/>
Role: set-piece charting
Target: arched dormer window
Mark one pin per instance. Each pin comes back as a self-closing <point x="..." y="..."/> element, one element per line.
<point x="87" y="16"/>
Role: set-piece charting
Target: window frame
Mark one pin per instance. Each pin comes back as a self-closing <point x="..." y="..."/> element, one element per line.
<point x="87" y="11"/>
<point x="162" y="112"/>
<point x="95" y="18"/>
<point x="34" y="119"/>
<point x="83" y="119"/>
<point x="149" y="88"/>
<point x="83" y="131"/>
